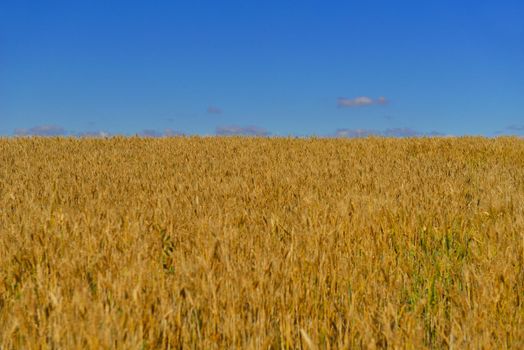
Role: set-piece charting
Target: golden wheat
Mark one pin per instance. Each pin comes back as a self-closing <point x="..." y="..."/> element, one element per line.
<point x="261" y="243"/>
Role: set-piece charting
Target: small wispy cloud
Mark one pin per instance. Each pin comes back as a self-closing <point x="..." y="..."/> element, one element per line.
<point x="401" y="132"/>
<point x="516" y="127"/>
<point x="93" y="134"/>
<point x="214" y="110"/>
<point x="155" y="133"/>
<point x="390" y="132"/>
<point x="355" y="132"/>
<point x="381" y="100"/>
<point x="241" y="130"/>
<point x="343" y="102"/>
<point x="150" y="133"/>
<point x="171" y="133"/>
<point x="41" y="130"/>
<point x="54" y="130"/>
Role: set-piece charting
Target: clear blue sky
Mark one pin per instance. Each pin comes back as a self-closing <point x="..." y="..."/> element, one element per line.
<point x="280" y="67"/>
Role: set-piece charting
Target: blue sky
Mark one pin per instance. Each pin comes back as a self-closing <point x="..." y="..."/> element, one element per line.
<point x="262" y="67"/>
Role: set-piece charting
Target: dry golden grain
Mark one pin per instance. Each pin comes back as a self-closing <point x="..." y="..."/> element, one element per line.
<point x="261" y="243"/>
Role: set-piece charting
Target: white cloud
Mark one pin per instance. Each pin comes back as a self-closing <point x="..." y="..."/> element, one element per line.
<point x="360" y="101"/>
<point x="355" y="132"/>
<point x="214" y="110"/>
<point x="155" y="133"/>
<point x="516" y="127"/>
<point x="93" y="134"/>
<point x="381" y="100"/>
<point x="239" y="130"/>
<point x="391" y="132"/>
<point x="150" y="133"/>
<point x="41" y="130"/>
<point x="170" y="133"/>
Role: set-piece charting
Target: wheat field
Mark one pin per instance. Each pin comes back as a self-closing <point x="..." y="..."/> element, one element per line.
<point x="261" y="243"/>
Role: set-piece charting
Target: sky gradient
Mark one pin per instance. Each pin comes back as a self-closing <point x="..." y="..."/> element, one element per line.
<point x="325" y="68"/>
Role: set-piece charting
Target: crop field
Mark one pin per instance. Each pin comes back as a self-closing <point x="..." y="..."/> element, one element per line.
<point x="261" y="243"/>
